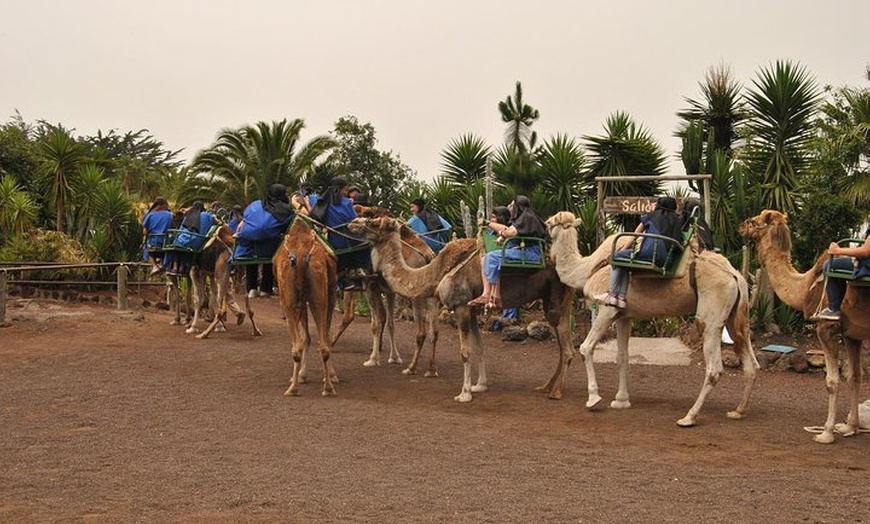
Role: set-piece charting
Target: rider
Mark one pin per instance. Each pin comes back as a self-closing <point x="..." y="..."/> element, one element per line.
<point x="430" y="225"/>
<point x="335" y="209"/>
<point x="156" y="223"/>
<point x="192" y="234"/>
<point x="856" y="259"/>
<point x="524" y="222"/>
<point x="259" y="234"/>
<point x="662" y="221"/>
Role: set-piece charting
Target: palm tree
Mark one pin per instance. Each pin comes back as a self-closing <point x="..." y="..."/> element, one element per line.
<point x="61" y="155"/>
<point x="719" y="114"/>
<point x="89" y="180"/>
<point x="244" y="162"/>
<point x="843" y="161"/>
<point x="782" y="105"/>
<point x="18" y="211"/>
<point x="463" y="162"/>
<point x="625" y="148"/>
<point x="563" y="178"/>
<point x="520" y="140"/>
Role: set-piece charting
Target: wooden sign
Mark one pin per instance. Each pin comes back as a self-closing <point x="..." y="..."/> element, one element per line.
<point x="628" y="205"/>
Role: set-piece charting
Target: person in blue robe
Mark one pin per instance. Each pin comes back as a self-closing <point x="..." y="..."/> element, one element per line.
<point x="259" y="234"/>
<point x="156" y="223"/>
<point x="431" y="226"/>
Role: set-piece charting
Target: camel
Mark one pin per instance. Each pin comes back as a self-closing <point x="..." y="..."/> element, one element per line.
<point x="306" y="273"/>
<point x="710" y="289"/>
<point x="214" y="262"/>
<point x="454" y="276"/>
<point x="382" y="301"/>
<point x="805" y="292"/>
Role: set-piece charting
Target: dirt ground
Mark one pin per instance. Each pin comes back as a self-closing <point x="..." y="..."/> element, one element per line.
<point x="120" y="417"/>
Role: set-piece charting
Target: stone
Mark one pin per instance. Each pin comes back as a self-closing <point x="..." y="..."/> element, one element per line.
<point x="799" y="362"/>
<point x="514" y="333"/>
<point x="730" y="359"/>
<point x="538" y="330"/>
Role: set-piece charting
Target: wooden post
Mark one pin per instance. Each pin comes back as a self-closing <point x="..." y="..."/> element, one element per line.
<point x="122" y="287"/>
<point x="744" y="266"/>
<point x="2" y="297"/>
<point x="707" y="211"/>
<point x="599" y="213"/>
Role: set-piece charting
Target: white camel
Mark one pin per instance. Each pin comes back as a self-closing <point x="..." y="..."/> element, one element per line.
<point x="710" y="289"/>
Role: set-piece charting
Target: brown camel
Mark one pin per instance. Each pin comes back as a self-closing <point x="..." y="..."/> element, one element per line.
<point x="454" y="276"/>
<point x="214" y="263"/>
<point x="306" y="272"/>
<point x="805" y="292"/>
<point x="710" y="289"/>
<point x="382" y="301"/>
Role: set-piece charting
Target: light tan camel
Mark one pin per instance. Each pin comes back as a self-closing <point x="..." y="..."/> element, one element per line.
<point x="710" y="289"/>
<point x="214" y="263"/>
<point x="454" y="276"/>
<point x="805" y="292"/>
<point x="382" y="302"/>
<point x="306" y="273"/>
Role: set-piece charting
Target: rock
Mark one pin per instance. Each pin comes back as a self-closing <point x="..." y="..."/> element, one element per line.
<point x="781" y="363"/>
<point x="730" y="359"/>
<point x="539" y="330"/>
<point x="763" y="361"/>
<point x="514" y="333"/>
<point x="799" y="362"/>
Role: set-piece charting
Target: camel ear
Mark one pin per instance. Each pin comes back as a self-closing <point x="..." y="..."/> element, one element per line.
<point x="578" y="222"/>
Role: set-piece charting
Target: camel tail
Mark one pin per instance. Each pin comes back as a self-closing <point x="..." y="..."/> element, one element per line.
<point x="740" y="313"/>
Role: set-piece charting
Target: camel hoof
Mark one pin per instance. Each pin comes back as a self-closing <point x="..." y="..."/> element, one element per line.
<point x="201" y="336"/>
<point x="409" y="371"/>
<point x="395" y="360"/>
<point x="370" y="363"/>
<point x="735" y="415"/>
<point x="686" y="422"/>
<point x="594" y="402"/>
<point x="845" y="430"/>
<point x="555" y="395"/>
<point x="431" y="374"/>
<point x="175" y="323"/>
<point x="258" y="333"/>
<point x="190" y="330"/>
<point x="291" y="392"/>
<point x="825" y="437"/>
<point x="465" y="396"/>
<point x="328" y="393"/>
<point x="479" y="388"/>
<point x="620" y="404"/>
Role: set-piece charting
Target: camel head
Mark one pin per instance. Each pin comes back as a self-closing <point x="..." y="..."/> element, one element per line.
<point x="770" y="224"/>
<point x="225" y="235"/>
<point x="374" y="229"/>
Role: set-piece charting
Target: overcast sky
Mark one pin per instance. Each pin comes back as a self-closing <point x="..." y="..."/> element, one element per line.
<point x="422" y="72"/>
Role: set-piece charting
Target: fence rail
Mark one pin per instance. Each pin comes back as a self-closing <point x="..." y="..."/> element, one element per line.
<point x="121" y="269"/>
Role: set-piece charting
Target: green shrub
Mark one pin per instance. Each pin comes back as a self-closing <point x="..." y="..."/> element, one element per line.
<point x="47" y="246"/>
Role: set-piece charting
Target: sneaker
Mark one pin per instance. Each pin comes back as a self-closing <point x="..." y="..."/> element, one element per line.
<point x="620" y="303"/>
<point x="607" y="299"/>
<point x="828" y="314"/>
<point x="252" y="293"/>
<point x="601" y="297"/>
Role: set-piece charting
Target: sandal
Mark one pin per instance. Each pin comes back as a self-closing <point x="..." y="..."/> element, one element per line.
<point x="479" y="301"/>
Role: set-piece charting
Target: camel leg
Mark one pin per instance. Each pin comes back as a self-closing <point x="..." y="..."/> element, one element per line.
<point x="222" y="296"/>
<point x="596" y="333"/>
<point x="738" y="325"/>
<point x="255" y="331"/>
<point x="421" y="322"/>
<point x="376" y="306"/>
<point x="322" y="313"/>
<point x="561" y="320"/>
<point x="198" y="285"/>
<point x="623" y="332"/>
<point x="713" y="369"/>
<point x="853" y="355"/>
<point x="390" y="319"/>
<point x="297" y="353"/>
<point x="468" y="344"/>
<point x="174" y="299"/>
<point x="828" y="339"/>
<point x="432" y="329"/>
<point x="348" y="299"/>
